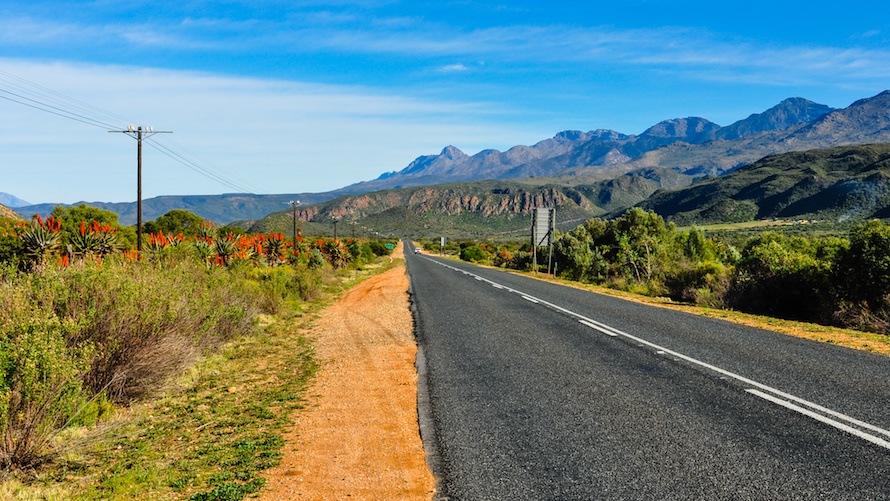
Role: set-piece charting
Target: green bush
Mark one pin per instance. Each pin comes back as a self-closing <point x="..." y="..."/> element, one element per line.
<point x="703" y="284"/>
<point x="474" y="254"/>
<point x="12" y="250"/>
<point x="40" y="381"/>
<point x="784" y="277"/>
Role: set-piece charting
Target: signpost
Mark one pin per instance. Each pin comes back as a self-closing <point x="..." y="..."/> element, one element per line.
<point x="543" y="226"/>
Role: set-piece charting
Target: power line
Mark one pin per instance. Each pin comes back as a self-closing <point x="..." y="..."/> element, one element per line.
<point x="191" y="164"/>
<point x="45" y="93"/>
<point x="21" y="91"/>
<point x="50" y="109"/>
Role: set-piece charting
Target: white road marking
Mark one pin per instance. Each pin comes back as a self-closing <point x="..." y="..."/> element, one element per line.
<point x="767" y="392"/>
<point x="592" y="326"/>
<point x="819" y="417"/>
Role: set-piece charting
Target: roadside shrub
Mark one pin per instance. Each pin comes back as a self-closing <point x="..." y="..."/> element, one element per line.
<point x="862" y="273"/>
<point x="379" y="248"/>
<point x="783" y="277"/>
<point x="702" y="284"/>
<point x="40" y="380"/>
<point x="474" y="254"/>
<point x="283" y="286"/>
<point x="316" y="259"/>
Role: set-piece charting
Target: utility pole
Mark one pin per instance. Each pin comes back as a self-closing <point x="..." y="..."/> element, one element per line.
<point x="294" y="204"/>
<point x="336" y="220"/>
<point x="139" y="133"/>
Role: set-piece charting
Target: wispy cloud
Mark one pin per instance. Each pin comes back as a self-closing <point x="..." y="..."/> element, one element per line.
<point x="454" y="68"/>
<point x="277" y="136"/>
<point x="692" y="53"/>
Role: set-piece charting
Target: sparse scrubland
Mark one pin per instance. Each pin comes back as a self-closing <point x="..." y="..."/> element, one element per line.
<point x="162" y="375"/>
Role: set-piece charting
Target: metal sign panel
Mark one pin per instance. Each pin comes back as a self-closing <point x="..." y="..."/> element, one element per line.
<point x="543" y="223"/>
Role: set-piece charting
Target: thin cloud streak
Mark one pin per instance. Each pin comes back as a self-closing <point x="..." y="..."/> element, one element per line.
<point x="301" y="136"/>
<point x="694" y="53"/>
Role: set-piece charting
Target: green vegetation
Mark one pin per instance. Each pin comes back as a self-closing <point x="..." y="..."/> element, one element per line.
<point x="826" y="279"/>
<point x="169" y="375"/>
<point x="837" y="184"/>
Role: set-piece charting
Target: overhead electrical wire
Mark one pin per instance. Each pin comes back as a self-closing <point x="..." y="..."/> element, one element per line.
<point x="204" y="171"/>
<point x="24" y="88"/>
<point x="21" y="91"/>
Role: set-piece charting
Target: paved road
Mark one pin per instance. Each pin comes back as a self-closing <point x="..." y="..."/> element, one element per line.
<point x="538" y="391"/>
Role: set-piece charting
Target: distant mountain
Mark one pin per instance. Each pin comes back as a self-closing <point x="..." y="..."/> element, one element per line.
<point x="606" y="153"/>
<point x="788" y="113"/>
<point x="221" y="209"/>
<point x="838" y="183"/>
<point x="865" y="121"/>
<point x="11" y="200"/>
<point x="453" y="165"/>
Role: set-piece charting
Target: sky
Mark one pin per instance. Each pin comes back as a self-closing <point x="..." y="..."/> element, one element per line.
<point x="309" y="96"/>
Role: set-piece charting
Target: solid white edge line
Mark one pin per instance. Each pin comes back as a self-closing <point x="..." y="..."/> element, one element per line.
<point x="606" y="329"/>
<point x="819" y="417"/>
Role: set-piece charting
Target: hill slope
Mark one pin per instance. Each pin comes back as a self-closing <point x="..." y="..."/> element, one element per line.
<point x="8" y="213"/>
<point x="838" y="183"/>
<point x="482" y="208"/>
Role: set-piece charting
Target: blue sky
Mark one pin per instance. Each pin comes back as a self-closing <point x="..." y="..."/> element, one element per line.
<point x="308" y="96"/>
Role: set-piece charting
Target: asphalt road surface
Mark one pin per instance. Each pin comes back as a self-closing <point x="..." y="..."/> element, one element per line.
<point x="538" y="391"/>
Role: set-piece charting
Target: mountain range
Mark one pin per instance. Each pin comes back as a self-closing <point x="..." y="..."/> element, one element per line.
<point x="611" y="170"/>
<point x="669" y="144"/>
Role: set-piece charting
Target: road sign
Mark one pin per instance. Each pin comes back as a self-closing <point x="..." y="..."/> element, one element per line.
<point x="543" y="222"/>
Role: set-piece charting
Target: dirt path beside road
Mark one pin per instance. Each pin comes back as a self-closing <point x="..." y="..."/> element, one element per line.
<point x="358" y="437"/>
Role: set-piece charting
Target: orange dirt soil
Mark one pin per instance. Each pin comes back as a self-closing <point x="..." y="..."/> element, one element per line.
<point x="358" y="436"/>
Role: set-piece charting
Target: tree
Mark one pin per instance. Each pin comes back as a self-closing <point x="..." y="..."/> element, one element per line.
<point x="640" y="239"/>
<point x="174" y="222"/>
<point x="864" y="268"/>
<point x="72" y="217"/>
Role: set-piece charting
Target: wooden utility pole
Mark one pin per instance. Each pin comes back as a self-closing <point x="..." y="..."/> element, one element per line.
<point x="294" y="204"/>
<point x="139" y="133"/>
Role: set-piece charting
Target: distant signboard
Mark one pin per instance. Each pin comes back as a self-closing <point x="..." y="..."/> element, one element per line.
<point x="543" y="223"/>
<point x="390" y="246"/>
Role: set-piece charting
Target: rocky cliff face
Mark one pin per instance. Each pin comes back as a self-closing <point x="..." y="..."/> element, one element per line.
<point x="451" y="200"/>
